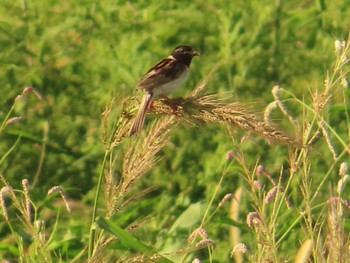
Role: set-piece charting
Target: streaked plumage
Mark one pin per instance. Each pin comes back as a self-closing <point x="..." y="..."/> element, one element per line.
<point x="162" y="79"/>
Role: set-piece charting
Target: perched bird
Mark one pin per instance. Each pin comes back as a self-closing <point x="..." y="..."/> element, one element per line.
<point x="162" y="79"/>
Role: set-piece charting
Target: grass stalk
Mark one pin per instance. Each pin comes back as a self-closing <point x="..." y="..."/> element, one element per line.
<point x="94" y="210"/>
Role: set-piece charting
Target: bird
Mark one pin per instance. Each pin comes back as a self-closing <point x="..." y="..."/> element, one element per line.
<point x="162" y="79"/>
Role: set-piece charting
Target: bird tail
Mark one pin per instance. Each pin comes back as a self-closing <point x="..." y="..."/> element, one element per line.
<point x="141" y="114"/>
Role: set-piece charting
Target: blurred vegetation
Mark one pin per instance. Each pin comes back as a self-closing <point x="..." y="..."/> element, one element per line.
<point x="80" y="54"/>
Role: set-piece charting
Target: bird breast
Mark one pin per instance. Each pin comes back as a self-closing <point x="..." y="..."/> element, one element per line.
<point x="165" y="89"/>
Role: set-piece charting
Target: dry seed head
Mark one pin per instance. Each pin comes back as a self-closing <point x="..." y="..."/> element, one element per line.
<point x="256" y="185"/>
<point x="32" y="89"/>
<point x="273" y="105"/>
<point x="341" y="183"/>
<point x="40" y="227"/>
<point x="275" y="90"/>
<point x="253" y="218"/>
<point x="211" y="108"/>
<point x="336" y="199"/>
<point x="25" y="184"/>
<point x="240" y="247"/>
<point x="320" y="99"/>
<point x="328" y="139"/>
<point x="198" y="231"/>
<point x="288" y="204"/>
<point x="224" y="199"/>
<point x="5" y="189"/>
<point x="142" y="155"/>
<point x="344" y="82"/>
<point x="14" y="119"/>
<point x="259" y="170"/>
<point x="59" y="189"/>
<point x="271" y="194"/>
<point x="338" y="48"/>
<point x="2" y="201"/>
<point x="335" y="234"/>
<point x="343" y="168"/>
<point x="343" y="58"/>
<point x="230" y="155"/>
<point x="18" y="97"/>
<point x="206" y="242"/>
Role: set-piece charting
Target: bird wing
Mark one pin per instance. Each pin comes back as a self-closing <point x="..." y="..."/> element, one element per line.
<point x="163" y="72"/>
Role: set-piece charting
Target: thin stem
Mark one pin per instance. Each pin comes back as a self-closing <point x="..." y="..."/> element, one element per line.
<point x="3" y="124"/>
<point x="213" y="196"/>
<point x="94" y="211"/>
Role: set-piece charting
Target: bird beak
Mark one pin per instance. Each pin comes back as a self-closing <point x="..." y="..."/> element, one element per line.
<point x="195" y="53"/>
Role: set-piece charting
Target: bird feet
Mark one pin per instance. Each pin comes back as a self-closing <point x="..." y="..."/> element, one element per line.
<point x="173" y="103"/>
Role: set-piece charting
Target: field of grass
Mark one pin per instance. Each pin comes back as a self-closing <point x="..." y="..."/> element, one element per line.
<point x="253" y="167"/>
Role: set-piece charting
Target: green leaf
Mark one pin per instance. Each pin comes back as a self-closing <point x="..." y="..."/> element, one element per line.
<point x="8" y="247"/>
<point x="127" y="239"/>
<point x="190" y="217"/>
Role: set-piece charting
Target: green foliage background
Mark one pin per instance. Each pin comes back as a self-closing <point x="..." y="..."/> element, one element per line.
<point x="78" y="54"/>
